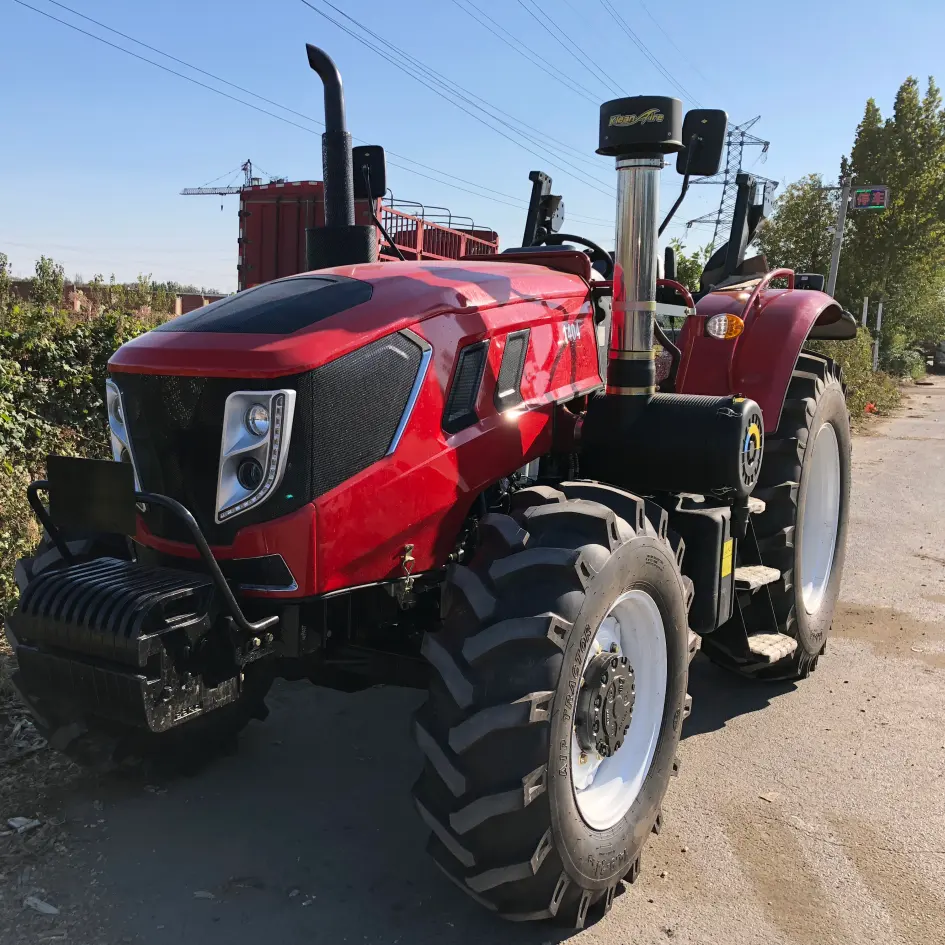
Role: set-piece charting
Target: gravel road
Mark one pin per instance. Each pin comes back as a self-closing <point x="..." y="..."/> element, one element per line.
<point x="809" y="815"/>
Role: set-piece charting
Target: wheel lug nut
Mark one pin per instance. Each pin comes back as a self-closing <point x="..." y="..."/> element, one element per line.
<point x="583" y="757"/>
<point x="604" y="678"/>
<point x="598" y="702"/>
<point x="614" y="648"/>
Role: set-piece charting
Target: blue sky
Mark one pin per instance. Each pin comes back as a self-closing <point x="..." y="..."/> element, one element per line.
<point x="97" y="145"/>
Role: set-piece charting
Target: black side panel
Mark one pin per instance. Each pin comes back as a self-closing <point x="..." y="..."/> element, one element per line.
<point x="709" y="561"/>
<point x="461" y="401"/>
<point x="276" y="308"/>
<point x="508" y="391"/>
<point x="356" y="403"/>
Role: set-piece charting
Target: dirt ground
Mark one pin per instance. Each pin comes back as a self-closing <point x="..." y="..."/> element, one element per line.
<point x="808" y="814"/>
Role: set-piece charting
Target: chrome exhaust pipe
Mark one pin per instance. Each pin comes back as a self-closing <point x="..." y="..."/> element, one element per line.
<point x="638" y="132"/>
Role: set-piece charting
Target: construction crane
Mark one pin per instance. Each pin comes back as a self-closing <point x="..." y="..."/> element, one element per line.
<point x="248" y="181"/>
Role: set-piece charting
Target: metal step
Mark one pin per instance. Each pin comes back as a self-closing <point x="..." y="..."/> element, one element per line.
<point x="755" y="576"/>
<point x="771" y="647"/>
<point x="756" y="506"/>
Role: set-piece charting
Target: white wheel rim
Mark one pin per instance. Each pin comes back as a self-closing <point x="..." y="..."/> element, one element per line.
<point x="605" y="788"/>
<point x="818" y="527"/>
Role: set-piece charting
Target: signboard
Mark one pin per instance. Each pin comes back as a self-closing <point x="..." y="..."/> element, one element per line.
<point x="873" y="197"/>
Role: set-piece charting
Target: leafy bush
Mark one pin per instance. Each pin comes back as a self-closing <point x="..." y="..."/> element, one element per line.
<point x="863" y="385"/>
<point x="53" y="368"/>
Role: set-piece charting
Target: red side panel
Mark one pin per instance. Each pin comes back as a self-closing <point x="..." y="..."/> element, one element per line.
<point x="422" y="493"/>
<point x="759" y="363"/>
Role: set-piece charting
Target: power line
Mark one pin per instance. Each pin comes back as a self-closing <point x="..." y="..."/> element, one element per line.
<point x="687" y="57"/>
<point x="518" y="204"/>
<point x="447" y="89"/>
<point x="496" y="195"/>
<point x="572" y="48"/>
<point x="516" y="46"/>
<point x="609" y="7"/>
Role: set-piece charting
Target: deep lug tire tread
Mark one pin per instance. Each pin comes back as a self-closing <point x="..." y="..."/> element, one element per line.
<point x="778" y="486"/>
<point x="485" y="730"/>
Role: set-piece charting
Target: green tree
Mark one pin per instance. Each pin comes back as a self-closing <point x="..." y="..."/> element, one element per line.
<point x="798" y="234"/>
<point x="689" y="266"/>
<point x="898" y="255"/>
<point x="6" y="290"/>
<point x="47" y="284"/>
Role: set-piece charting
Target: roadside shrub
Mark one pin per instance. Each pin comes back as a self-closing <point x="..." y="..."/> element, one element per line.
<point x="53" y="368"/>
<point x="863" y="385"/>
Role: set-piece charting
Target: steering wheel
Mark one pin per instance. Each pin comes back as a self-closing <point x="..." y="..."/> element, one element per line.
<point x="597" y="253"/>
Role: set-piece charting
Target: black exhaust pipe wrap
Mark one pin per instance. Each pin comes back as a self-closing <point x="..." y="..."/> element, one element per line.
<point x="339" y="242"/>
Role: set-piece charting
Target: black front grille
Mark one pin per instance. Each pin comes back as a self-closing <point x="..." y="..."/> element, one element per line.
<point x="176" y="426"/>
<point x="346" y="415"/>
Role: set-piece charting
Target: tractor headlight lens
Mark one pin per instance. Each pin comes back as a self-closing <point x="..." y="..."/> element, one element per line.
<point x="724" y="327"/>
<point x="257" y="420"/>
<point x="257" y="426"/>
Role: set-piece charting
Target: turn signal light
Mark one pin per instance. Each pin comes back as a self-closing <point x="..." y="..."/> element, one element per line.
<point x="724" y="327"/>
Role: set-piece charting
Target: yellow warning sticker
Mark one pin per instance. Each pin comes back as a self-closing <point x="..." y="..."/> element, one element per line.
<point x="727" y="557"/>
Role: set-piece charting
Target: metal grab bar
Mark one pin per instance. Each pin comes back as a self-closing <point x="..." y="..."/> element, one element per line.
<point x="172" y="505"/>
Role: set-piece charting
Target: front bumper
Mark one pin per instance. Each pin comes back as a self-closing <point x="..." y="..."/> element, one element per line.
<point x="137" y="644"/>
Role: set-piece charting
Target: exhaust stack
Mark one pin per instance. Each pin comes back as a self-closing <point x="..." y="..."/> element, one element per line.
<point x="638" y="132"/>
<point x="340" y="242"/>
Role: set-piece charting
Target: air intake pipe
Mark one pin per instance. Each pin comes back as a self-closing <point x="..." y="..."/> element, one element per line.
<point x="339" y="242"/>
<point x="631" y="436"/>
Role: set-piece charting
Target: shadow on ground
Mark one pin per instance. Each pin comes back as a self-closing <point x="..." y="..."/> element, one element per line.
<point x="306" y="835"/>
<point x="719" y="695"/>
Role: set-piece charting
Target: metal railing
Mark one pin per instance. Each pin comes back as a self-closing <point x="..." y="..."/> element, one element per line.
<point x="420" y="238"/>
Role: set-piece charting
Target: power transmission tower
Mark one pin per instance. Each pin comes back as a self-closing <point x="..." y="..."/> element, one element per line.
<point x="737" y="139"/>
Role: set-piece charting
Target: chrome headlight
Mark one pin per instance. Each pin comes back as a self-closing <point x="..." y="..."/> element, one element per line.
<point x="257" y="427"/>
<point x="121" y="441"/>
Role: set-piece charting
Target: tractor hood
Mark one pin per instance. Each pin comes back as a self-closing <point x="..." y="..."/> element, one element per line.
<point x="302" y="322"/>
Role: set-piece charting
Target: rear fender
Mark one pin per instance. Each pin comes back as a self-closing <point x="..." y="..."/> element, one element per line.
<point x="759" y="363"/>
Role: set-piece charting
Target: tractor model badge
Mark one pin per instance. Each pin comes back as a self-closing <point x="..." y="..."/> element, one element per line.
<point x="650" y="115"/>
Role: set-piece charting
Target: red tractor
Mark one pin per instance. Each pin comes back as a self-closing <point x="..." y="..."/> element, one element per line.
<point x="467" y="476"/>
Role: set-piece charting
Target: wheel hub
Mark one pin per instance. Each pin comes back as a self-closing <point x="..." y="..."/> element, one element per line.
<point x="605" y="705"/>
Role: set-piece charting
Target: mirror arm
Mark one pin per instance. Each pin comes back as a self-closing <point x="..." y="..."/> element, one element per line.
<point x="675" y="206"/>
<point x="685" y="187"/>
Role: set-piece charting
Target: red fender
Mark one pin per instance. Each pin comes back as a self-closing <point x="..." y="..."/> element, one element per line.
<point x="759" y="363"/>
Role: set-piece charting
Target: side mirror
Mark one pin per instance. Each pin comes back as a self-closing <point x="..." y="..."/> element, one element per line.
<point x="370" y="172"/>
<point x="703" y="135"/>
<point x="669" y="263"/>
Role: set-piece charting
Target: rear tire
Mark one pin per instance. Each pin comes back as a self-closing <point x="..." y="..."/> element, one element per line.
<point x="499" y="788"/>
<point x="805" y="484"/>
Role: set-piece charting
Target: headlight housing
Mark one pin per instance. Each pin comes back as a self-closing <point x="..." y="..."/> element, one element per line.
<point x="121" y="441"/>
<point x="257" y="427"/>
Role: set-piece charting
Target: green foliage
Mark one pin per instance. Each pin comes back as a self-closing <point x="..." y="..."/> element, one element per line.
<point x="689" y="266"/>
<point x="53" y="367"/>
<point x="864" y="386"/>
<point x="47" y="284"/>
<point x="6" y="292"/>
<point x="797" y="235"/>
<point x="896" y="255"/>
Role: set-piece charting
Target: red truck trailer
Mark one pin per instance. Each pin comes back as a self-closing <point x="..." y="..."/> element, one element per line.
<point x="274" y="217"/>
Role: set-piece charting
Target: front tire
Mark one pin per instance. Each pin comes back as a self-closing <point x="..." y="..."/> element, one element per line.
<point x="515" y="821"/>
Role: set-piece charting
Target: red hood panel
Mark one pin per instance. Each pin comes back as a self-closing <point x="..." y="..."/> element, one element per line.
<point x="404" y="293"/>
